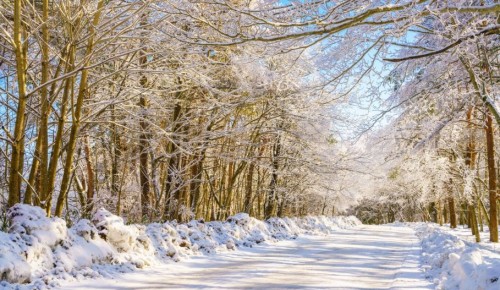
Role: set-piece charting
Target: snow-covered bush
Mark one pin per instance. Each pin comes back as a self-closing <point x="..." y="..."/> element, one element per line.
<point x="41" y="251"/>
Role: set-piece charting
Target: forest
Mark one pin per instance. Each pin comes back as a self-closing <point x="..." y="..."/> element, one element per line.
<point x="137" y="133"/>
<point x="170" y="109"/>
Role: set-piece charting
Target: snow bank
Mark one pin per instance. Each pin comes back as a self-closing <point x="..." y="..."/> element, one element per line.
<point x="39" y="252"/>
<point x="457" y="264"/>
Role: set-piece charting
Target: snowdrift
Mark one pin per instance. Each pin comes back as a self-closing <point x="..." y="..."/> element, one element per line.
<point x="457" y="264"/>
<point x="38" y="252"/>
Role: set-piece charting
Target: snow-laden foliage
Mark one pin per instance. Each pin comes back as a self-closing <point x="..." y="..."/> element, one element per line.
<point x="41" y="251"/>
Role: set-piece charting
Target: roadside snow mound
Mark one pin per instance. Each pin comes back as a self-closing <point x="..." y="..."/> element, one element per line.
<point x="38" y="252"/>
<point x="457" y="264"/>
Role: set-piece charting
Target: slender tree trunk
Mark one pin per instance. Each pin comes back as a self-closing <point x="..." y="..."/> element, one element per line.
<point x="195" y="186"/>
<point x="480" y="214"/>
<point x="271" y="194"/>
<point x="116" y="159"/>
<point x="492" y="178"/>
<point x="229" y="189"/>
<point x="451" y="206"/>
<point x="144" y="143"/>
<point x="33" y="187"/>
<point x="80" y="191"/>
<point x="17" y="157"/>
<point x="34" y="180"/>
<point x="46" y="193"/>
<point x="39" y="172"/>
<point x="180" y="194"/>
<point x="470" y="161"/>
<point x="282" y="207"/>
<point x="248" y="189"/>
<point x="90" y="177"/>
<point x="259" y="193"/>
<point x="197" y="172"/>
<point x="474" y="228"/>
<point x="144" y="148"/>
<point x="440" y="213"/>
<point x="82" y="91"/>
<point x="171" y="184"/>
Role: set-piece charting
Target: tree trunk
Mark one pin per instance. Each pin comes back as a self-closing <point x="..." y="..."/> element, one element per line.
<point x="248" y="189"/>
<point x="171" y="184"/>
<point x="17" y="157"/>
<point x="440" y="213"/>
<point x="39" y="165"/>
<point x="116" y="159"/>
<point x="180" y="195"/>
<point x="480" y="215"/>
<point x="46" y="193"/>
<point x="492" y="179"/>
<point x="195" y="186"/>
<point x="453" y="215"/>
<point x="271" y="193"/>
<point x="144" y="144"/>
<point x="144" y="148"/>
<point x="90" y="177"/>
<point x="470" y="161"/>
<point x="82" y="91"/>
<point x="474" y="226"/>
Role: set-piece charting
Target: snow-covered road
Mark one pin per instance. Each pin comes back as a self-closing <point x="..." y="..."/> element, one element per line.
<point x="368" y="257"/>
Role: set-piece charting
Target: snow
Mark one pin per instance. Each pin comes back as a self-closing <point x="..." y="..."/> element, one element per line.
<point x="454" y="262"/>
<point x="366" y="257"/>
<point x="40" y="252"/>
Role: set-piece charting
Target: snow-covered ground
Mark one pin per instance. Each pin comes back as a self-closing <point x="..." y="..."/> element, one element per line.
<point x="367" y="257"/>
<point x="40" y="252"/>
<point x="242" y="252"/>
<point x="452" y="259"/>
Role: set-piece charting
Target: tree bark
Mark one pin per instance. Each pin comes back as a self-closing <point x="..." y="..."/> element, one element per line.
<point x="144" y="148"/>
<point x="271" y="193"/>
<point x="173" y="163"/>
<point x="116" y="159"/>
<point x="470" y="161"/>
<point x="248" y="189"/>
<point x="492" y="179"/>
<point x="144" y="143"/>
<point x="451" y="206"/>
<point x="16" y="163"/>
<point x="90" y="178"/>
<point x="195" y="186"/>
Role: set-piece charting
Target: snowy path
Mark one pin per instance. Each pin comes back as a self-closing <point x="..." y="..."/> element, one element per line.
<point x="368" y="257"/>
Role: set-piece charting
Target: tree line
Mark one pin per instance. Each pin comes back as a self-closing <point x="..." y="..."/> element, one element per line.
<point x="102" y="105"/>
